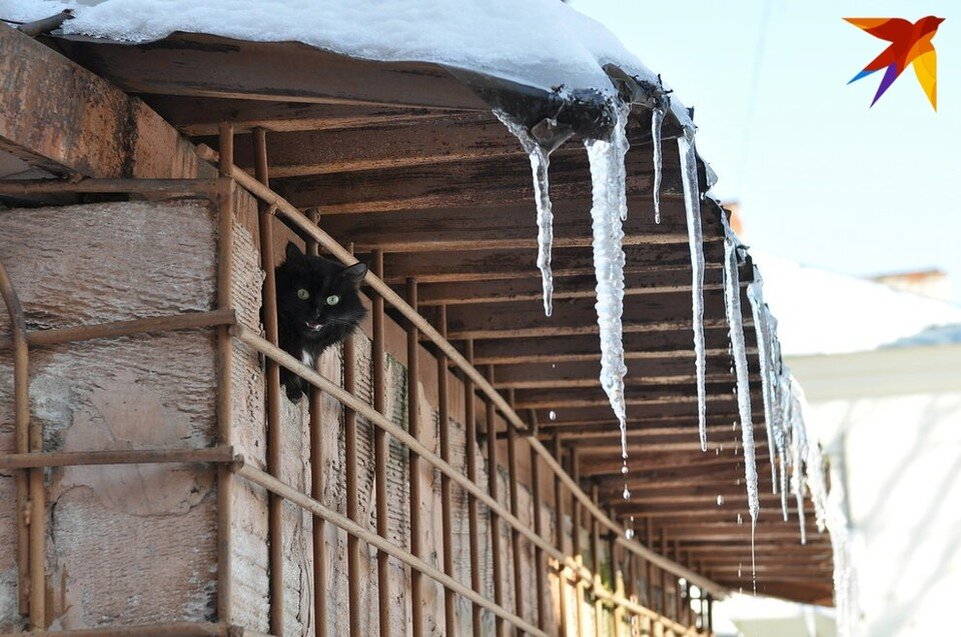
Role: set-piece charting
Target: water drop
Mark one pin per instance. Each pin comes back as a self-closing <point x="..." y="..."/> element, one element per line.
<point x="552" y="415"/>
<point x="624" y="469"/>
<point x="740" y="520"/>
<point x="720" y="500"/>
<point x="626" y="494"/>
<point x="629" y="534"/>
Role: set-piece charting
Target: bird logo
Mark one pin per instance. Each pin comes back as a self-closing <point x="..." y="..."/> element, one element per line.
<point x="910" y="44"/>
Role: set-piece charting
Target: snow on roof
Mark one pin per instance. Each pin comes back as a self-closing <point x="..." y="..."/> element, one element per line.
<point x="823" y="312"/>
<point x="539" y="43"/>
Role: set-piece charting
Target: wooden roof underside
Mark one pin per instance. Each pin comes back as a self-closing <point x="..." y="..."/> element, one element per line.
<point x="406" y="159"/>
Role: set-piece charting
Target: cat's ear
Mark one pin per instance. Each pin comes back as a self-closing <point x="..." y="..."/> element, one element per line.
<point x="355" y="274"/>
<point x="293" y="252"/>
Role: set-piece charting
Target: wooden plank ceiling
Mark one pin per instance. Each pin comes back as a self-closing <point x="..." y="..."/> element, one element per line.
<point x="403" y="158"/>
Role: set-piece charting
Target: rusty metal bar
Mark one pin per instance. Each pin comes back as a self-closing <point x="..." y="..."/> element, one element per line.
<point x="413" y="461"/>
<point x="574" y="472"/>
<point x="296" y="218"/>
<point x="559" y="536"/>
<point x="318" y="530"/>
<point x="133" y="456"/>
<point x="26" y="556"/>
<point x="415" y="563"/>
<point x="515" y="510"/>
<point x="617" y="574"/>
<point x="710" y="615"/>
<point x="649" y="540"/>
<point x="183" y="321"/>
<point x="540" y="568"/>
<point x="354" y="598"/>
<point x="446" y="493"/>
<point x="225" y="351"/>
<point x="275" y="524"/>
<point x="380" y="448"/>
<point x="492" y="488"/>
<point x="208" y="188"/>
<point x="171" y="629"/>
<point x="664" y="574"/>
<point x="596" y="559"/>
<point x="470" y="451"/>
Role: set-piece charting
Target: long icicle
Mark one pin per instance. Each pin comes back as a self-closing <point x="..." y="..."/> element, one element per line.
<point x="755" y="295"/>
<point x="692" y="208"/>
<point x="609" y="200"/>
<point x="732" y="305"/>
<point x="540" y="164"/>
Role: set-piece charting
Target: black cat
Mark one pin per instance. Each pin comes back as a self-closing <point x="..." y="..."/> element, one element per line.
<point x="318" y="305"/>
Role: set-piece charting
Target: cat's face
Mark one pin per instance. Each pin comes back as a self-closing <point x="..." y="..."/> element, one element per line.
<point x="317" y="296"/>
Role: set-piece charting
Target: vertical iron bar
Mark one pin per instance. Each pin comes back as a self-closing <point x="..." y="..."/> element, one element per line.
<point x="470" y="450"/>
<point x="575" y="473"/>
<point x="30" y="494"/>
<point x="492" y="488"/>
<point x="710" y="615"/>
<point x="515" y="511"/>
<point x="380" y="449"/>
<point x="649" y="540"/>
<point x="350" y="461"/>
<point x="275" y="509"/>
<point x="319" y="525"/>
<point x="678" y="602"/>
<point x="540" y="568"/>
<point x="664" y="574"/>
<point x="446" y="494"/>
<point x="596" y="559"/>
<point x="413" y="463"/>
<point x="225" y="478"/>
<point x="559" y="531"/>
<point x="618" y="568"/>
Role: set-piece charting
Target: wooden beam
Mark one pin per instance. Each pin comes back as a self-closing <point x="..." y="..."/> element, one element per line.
<point x="200" y="116"/>
<point x="509" y="225"/>
<point x="212" y="66"/>
<point x="470" y="265"/>
<point x="58" y="116"/>
<point x="504" y="181"/>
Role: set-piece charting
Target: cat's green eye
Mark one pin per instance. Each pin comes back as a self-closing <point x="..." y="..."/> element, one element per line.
<point x="303" y="294"/>
<point x="333" y="299"/>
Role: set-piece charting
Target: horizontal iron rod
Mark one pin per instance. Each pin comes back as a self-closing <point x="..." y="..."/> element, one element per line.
<point x="203" y="187"/>
<point x="172" y="629"/>
<point x="126" y="456"/>
<point x="184" y="321"/>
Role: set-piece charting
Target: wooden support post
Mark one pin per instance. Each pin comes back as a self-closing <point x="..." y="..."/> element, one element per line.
<point x="492" y="489"/>
<point x="275" y="528"/>
<point x="470" y="450"/>
<point x="559" y="532"/>
<point x="225" y="349"/>
<point x="413" y="424"/>
<point x="446" y="494"/>
<point x="380" y="450"/>
<point x="540" y="568"/>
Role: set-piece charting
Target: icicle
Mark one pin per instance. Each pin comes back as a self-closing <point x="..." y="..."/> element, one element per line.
<point x="609" y="203"/>
<point x="692" y="207"/>
<point x="732" y="294"/>
<point x="657" y="119"/>
<point x="540" y="163"/>
<point x="759" y="312"/>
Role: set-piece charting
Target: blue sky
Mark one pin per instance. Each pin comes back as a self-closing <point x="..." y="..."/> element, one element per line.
<point x="821" y="178"/>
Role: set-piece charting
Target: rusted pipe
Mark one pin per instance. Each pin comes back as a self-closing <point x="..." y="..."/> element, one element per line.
<point x="540" y="568"/>
<point x="446" y="493"/>
<point x="130" y="456"/>
<point x="559" y="536"/>
<point x="492" y="488"/>
<point x="470" y="451"/>
<point x="378" y="361"/>
<point x="413" y="460"/>
<point x="31" y="595"/>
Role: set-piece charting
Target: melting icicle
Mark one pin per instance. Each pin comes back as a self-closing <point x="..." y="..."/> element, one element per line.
<point x="657" y="119"/>
<point x="540" y="163"/>
<point x="692" y="207"/>
<point x="607" y="210"/>
<point x="732" y="297"/>
<point x="759" y="312"/>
